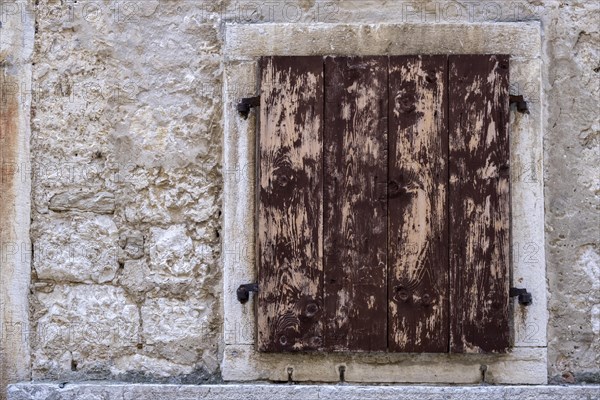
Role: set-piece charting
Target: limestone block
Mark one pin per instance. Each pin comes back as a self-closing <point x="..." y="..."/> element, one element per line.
<point x="172" y="251"/>
<point x="76" y="248"/>
<point x="156" y="367"/>
<point x="178" y="330"/>
<point x="136" y="277"/>
<point x="100" y="203"/>
<point x="82" y="327"/>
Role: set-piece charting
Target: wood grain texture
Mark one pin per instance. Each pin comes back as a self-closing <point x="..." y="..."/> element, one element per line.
<point x="418" y="229"/>
<point x="479" y="203"/>
<point x="355" y="213"/>
<point x="290" y="207"/>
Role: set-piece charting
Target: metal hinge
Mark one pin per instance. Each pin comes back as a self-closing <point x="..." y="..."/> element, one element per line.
<point x="525" y="298"/>
<point x="522" y="106"/>
<point x="246" y="104"/>
<point x="243" y="292"/>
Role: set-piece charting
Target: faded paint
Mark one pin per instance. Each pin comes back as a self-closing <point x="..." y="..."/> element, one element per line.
<point x="418" y="225"/>
<point x="355" y="210"/>
<point x="479" y="206"/>
<point x="289" y="212"/>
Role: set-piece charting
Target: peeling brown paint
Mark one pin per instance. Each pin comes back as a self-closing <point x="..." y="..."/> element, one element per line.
<point x="435" y="211"/>
<point x="418" y="226"/>
<point x="355" y="231"/>
<point x="289" y="213"/>
<point x="479" y="203"/>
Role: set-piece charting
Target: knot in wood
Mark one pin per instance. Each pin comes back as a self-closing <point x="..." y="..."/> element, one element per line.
<point x="402" y="294"/>
<point x="426" y="299"/>
<point x="311" y="309"/>
<point x="504" y="170"/>
<point x="282" y="181"/>
<point x="393" y="189"/>
<point x="431" y="76"/>
<point x="407" y="105"/>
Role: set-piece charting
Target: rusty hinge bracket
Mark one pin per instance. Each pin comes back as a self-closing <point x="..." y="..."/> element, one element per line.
<point x="522" y="106"/>
<point x="243" y="292"/>
<point x="525" y="298"/>
<point x="246" y="104"/>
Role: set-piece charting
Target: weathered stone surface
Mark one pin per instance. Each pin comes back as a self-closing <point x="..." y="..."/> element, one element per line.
<point x="171" y="251"/>
<point x="100" y="203"/>
<point x="110" y="391"/>
<point x="16" y="49"/>
<point x="80" y="329"/>
<point x="380" y="39"/>
<point x="153" y="366"/>
<point x="136" y="277"/>
<point x="521" y="366"/>
<point x="177" y="265"/>
<point x="76" y="248"/>
<point x="161" y="197"/>
<point x="128" y="103"/>
<point x="132" y="245"/>
<point x="178" y="330"/>
<point x="572" y="181"/>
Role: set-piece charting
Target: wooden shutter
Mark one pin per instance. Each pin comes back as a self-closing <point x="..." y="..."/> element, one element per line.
<point x="383" y="204"/>
<point x="479" y="203"/>
<point x="290" y="204"/>
<point x="355" y="143"/>
<point x="418" y="250"/>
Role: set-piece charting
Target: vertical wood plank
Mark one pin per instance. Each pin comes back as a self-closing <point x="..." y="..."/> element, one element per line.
<point x="479" y="203"/>
<point x="290" y="207"/>
<point x="418" y="229"/>
<point x="355" y="213"/>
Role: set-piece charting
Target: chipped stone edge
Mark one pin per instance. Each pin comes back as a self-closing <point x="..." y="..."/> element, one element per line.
<point x="527" y="362"/>
<point x="16" y="49"/>
<point x="39" y="391"/>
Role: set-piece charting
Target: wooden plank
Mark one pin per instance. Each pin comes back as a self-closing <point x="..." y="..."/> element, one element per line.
<point x="418" y="229"/>
<point x="479" y="203"/>
<point x="289" y="207"/>
<point x="355" y="211"/>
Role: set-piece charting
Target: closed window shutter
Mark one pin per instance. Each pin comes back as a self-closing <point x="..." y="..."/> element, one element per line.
<point x="418" y="224"/>
<point x="383" y="204"/>
<point x="355" y="246"/>
<point x="479" y="204"/>
<point x="290" y="205"/>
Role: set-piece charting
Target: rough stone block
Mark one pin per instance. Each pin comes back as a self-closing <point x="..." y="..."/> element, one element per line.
<point x="154" y="367"/>
<point x="136" y="278"/>
<point x="100" y="203"/>
<point x="76" y="248"/>
<point x="82" y="328"/>
<point x="171" y="251"/>
<point x="178" y="330"/>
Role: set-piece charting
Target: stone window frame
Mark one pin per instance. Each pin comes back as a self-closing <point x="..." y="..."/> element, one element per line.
<point x="526" y="363"/>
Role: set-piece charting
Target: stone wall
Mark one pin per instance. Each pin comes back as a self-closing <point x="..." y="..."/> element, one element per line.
<point x="127" y="180"/>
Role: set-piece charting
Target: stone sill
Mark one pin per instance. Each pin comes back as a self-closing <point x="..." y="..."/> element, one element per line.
<point x="125" y="391"/>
